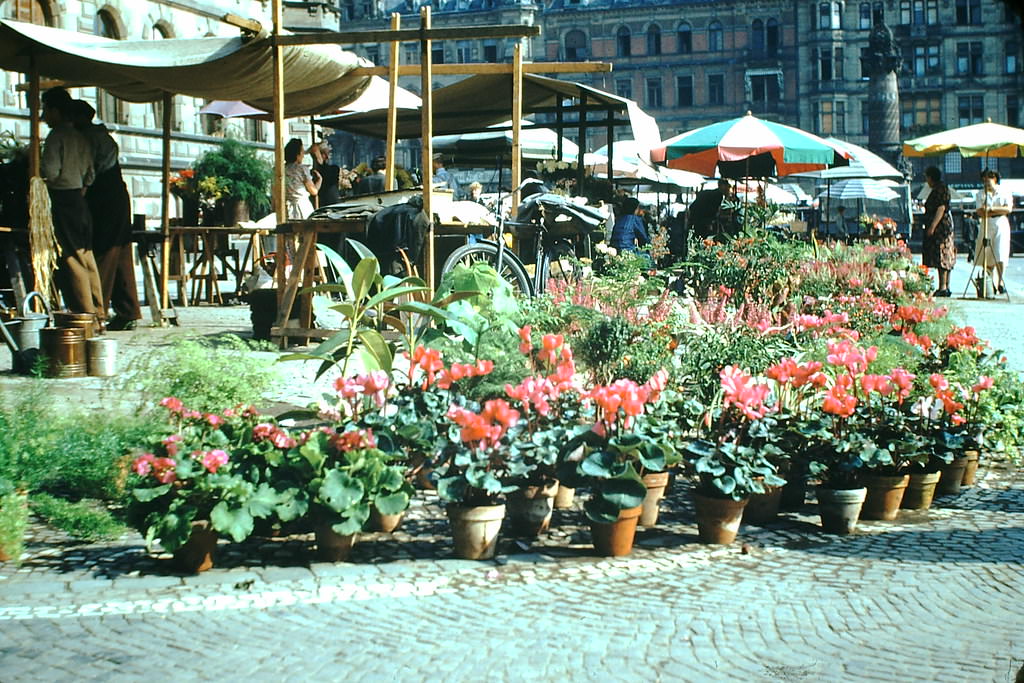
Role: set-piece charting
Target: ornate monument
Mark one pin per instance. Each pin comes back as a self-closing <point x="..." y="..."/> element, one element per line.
<point x="883" y="63"/>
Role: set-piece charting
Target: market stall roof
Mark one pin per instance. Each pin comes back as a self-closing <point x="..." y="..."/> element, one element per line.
<point x="229" y="68"/>
<point x="480" y="101"/>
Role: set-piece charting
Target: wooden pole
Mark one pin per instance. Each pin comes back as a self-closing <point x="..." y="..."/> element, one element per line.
<point x="280" y="209"/>
<point x="582" y="133"/>
<point x="611" y="147"/>
<point x="165" y="206"/>
<point x="560" y="129"/>
<point x="392" y="134"/>
<point x="33" y="113"/>
<point x="517" y="119"/>
<point x="427" y="130"/>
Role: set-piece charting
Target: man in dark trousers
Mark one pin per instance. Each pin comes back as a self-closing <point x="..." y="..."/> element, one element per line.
<point x="111" y="212"/>
<point x="66" y="165"/>
<point x="703" y="212"/>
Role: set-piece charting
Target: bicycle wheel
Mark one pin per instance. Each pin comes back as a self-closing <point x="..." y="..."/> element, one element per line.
<point x="512" y="270"/>
<point x="563" y="255"/>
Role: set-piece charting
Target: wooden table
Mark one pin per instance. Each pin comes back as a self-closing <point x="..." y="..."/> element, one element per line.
<point x="203" y="272"/>
<point x="304" y="269"/>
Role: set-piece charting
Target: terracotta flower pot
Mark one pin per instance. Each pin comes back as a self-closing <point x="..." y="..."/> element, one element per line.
<point x="971" y="471"/>
<point x="330" y="545"/>
<point x="718" y="519"/>
<point x="656" y="483"/>
<point x="885" y="493"/>
<point x="763" y="508"/>
<point x="383" y="523"/>
<point x="196" y="555"/>
<point x="475" y="530"/>
<point x="563" y="497"/>
<point x="920" y="491"/>
<point x="840" y="509"/>
<point x="952" y="476"/>
<point x="616" y="539"/>
<point x="530" y="508"/>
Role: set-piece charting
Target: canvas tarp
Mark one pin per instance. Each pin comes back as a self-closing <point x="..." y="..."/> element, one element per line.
<point x="316" y="77"/>
<point x="478" y="102"/>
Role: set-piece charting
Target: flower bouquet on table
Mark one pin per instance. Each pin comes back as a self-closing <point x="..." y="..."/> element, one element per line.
<point x="183" y="184"/>
<point x="623" y="441"/>
<point x="205" y="475"/>
<point x="732" y="458"/>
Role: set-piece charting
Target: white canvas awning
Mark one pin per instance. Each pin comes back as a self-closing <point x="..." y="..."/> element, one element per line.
<point x="237" y="68"/>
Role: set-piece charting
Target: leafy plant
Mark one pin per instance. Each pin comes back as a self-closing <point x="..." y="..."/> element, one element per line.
<point x="241" y="173"/>
<point x="86" y="519"/>
<point x="13" y="521"/>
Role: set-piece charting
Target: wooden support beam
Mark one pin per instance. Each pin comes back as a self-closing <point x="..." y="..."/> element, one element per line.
<point x="517" y="124"/>
<point x="427" y="133"/>
<point x="476" y="69"/>
<point x="280" y="208"/>
<point x="410" y="34"/>
<point x="33" y="113"/>
<point x="242" y="23"/>
<point x="392" y="125"/>
<point x="165" y="208"/>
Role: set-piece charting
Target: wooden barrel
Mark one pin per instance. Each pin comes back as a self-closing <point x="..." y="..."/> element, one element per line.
<point x="64" y="348"/>
<point x="84" y="321"/>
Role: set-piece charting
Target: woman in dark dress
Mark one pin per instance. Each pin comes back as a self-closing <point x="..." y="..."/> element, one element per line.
<point x="938" y="249"/>
<point x="330" y="192"/>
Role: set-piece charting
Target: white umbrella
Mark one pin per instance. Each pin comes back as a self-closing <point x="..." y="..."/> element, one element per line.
<point x="484" y="147"/>
<point x="859" y="188"/>
<point x="751" y="189"/>
<point x="863" y="164"/>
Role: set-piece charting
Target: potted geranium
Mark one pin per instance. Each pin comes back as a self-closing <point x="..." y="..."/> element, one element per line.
<point x="193" y="482"/>
<point x="732" y="458"/>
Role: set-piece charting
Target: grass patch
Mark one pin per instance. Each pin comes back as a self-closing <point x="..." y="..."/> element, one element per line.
<point x="86" y="519"/>
<point x="13" y="520"/>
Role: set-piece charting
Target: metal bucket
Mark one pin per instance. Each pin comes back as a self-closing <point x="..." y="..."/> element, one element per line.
<point x="83" y="321"/>
<point x="102" y="354"/>
<point x="27" y="334"/>
<point x="65" y="351"/>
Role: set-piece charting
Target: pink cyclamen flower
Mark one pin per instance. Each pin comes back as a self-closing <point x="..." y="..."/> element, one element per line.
<point x="172" y="404"/>
<point x="143" y="464"/>
<point x="171" y="444"/>
<point x="214" y="420"/>
<point x="214" y="459"/>
<point x="984" y="382"/>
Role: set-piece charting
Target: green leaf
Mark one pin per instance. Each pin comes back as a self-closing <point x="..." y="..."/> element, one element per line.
<point x="340" y="492"/>
<point x="363" y="278"/>
<point x="600" y="510"/>
<point x="624" y="492"/>
<point x="144" y="495"/>
<point x="340" y="266"/>
<point x="378" y="348"/>
<point x="361" y="249"/>
<point x="291" y="504"/>
<point x="263" y="501"/>
<point x="598" y="464"/>
<point x="392" y="504"/>
<point x="391" y="294"/>
<point x="235" y="522"/>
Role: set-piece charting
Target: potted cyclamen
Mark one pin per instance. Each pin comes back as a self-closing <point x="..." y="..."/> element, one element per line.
<point x="733" y="462"/>
<point x="188" y="485"/>
<point x="611" y="455"/>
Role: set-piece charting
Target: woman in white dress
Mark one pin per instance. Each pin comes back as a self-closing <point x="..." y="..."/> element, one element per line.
<point x="995" y="205"/>
<point x="299" y="184"/>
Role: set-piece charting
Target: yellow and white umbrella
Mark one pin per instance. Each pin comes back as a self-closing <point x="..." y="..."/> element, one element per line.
<point x="987" y="139"/>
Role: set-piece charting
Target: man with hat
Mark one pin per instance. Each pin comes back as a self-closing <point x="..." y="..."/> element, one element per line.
<point x="443" y="179"/>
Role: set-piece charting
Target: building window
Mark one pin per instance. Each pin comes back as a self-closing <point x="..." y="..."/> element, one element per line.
<point x="952" y="163"/>
<point x="255" y="130"/>
<point x="624" y="88"/>
<point x="654" y="93"/>
<point x="624" y="41"/>
<point x="684" y="91"/>
<point x="491" y="50"/>
<point x="825" y="71"/>
<point x="108" y="107"/>
<point x="921" y="60"/>
<point x="28" y="11"/>
<point x="464" y="51"/>
<point x="825" y="118"/>
<point x="575" y="46"/>
<point x="716" y="89"/>
<point x="921" y="113"/>
<point x="715" y="36"/>
<point x="865" y="72"/>
<point x="654" y="40"/>
<point x="865" y="16"/>
<point x="865" y="117"/>
<point x="968" y="12"/>
<point x="437" y="52"/>
<point x="757" y="37"/>
<point x="878" y="13"/>
<point x="684" y="39"/>
<point x="838" y="64"/>
<point x="1012" y="110"/>
<point x="162" y="31"/>
<point x="970" y="109"/>
<point x="905" y="12"/>
<point x="771" y="37"/>
<point x="839" y="124"/>
<point x="1012" y="61"/>
<point x="968" y="58"/>
<point x="411" y="52"/>
<point x="764" y="91"/>
<point x="373" y="54"/>
<point x="830" y="15"/>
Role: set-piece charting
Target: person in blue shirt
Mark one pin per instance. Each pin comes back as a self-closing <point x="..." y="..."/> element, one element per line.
<point x="629" y="233"/>
<point x="442" y="178"/>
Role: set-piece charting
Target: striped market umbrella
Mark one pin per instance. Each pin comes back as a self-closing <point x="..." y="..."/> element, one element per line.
<point x="988" y="139"/>
<point x="859" y="188"/>
<point x="748" y="147"/>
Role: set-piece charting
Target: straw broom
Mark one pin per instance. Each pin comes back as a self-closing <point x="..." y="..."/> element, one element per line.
<point x="42" y="241"/>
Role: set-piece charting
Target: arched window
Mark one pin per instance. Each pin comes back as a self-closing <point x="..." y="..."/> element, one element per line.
<point x="684" y="39"/>
<point x="108" y="108"/>
<point x="161" y="31"/>
<point x="878" y="12"/>
<point x="772" y="38"/>
<point x="757" y="37"/>
<point x="864" y="16"/>
<point x="654" y="40"/>
<point x="29" y="11"/>
<point x="715" y="36"/>
<point x="624" y="42"/>
<point x="575" y="45"/>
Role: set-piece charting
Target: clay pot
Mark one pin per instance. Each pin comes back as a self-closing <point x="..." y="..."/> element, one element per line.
<point x="952" y="476"/>
<point x="794" y="494"/>
<point x="383" y="523"/>
<point x="421" y="473"/>
<point x="475" y="530"/>
<point x="616" y="539"/>
<point x="563" y="497"/>
<point x="763" y="508"/>
<point x="885" y="493"/>
<point x="330" y="545"/>
<point x="530" y="508"/>
<point x="656" y="482"/>
<point x="971" y="470"/>
<point x="197" y="553"/>
<point x="718" y="519"/>
<point x="840" y="509"/>
<point x="920" y="491"/>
